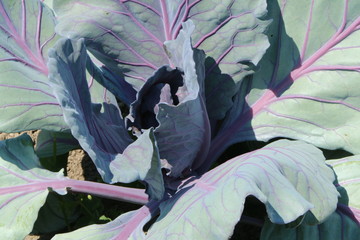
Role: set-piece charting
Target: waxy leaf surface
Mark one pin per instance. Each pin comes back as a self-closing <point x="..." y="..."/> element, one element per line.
<point x="307" y="84"/>
<point x="23" y="187"/>
<point x="289" y="177"/>
<point x="26" y="34"/>
<point x="175" y="98"/>
<point x="132" y="33"/>
<point x="101" y="133"/>
<point x="128" y="37"/>
<point x="98" y="132"/>
<point x="344" y="223"/>
<point x="56" y="143"/>
<point x="140" y="161"/>
<point x="348" y="184"/>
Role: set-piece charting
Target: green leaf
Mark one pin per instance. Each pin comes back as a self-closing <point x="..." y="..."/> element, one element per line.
<point x="289" y="177"/>
<point x="23" y="187"/>
<point x="57" y="213"/>
<point x="140" y="161"/>
<point x="348" y="184"/>
<point x="26" y="34"/>
<point x="344" y="224"/>
<point x="128" y="37"/>
<point x="52" y="144"/>
<point x="307" y="83"/>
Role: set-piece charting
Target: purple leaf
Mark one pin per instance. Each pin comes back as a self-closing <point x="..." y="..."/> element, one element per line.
<point x="101" y="134"/>
<point x="173" y="101"/>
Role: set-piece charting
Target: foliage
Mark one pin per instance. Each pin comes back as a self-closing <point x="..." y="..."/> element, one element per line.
<point x="195" y="77"/>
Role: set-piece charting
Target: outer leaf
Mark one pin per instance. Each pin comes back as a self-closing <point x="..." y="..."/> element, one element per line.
<point x="128" y="36"/>
<point x="309" y="75"/>
<point x="290" y="178"/>
<point x="101" y="134"/>
<point x="23" y="187"/>
<point x="348" y="184"/>
<point x="26" y="34"/>
<point x="344" y="224"/>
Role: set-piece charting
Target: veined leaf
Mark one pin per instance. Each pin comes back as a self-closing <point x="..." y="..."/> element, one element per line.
<point x="133" y="32"/>
<point x="289" y="177"/>
<point x="344" y="224"/>
<point x="306" y="79"/>
<point x="128" y="37"/>
<point x="348" y="184"/>
<point x="50" y="143"/>
<point x="98" y="132"/>
<point x="173" y="100"/>
<point x="24" y="187"/>
<point x="101" y="133"/>
<point x="26" y="34"/>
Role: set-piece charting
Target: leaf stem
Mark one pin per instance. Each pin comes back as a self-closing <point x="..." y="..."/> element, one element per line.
<point x="132" y="195"/>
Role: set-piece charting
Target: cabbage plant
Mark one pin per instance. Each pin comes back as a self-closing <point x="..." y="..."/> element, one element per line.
<point x="157" y="91"/>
